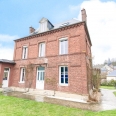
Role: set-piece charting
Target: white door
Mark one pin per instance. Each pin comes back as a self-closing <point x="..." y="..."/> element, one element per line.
<point x="40" y="78"/>
<point x="5" y="77"/>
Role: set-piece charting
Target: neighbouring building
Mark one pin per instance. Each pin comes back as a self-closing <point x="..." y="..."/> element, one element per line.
<point x="61" y="52"/>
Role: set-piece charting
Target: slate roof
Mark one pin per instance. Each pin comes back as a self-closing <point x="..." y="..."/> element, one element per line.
<point x="60" y="25"/>
<point x="112" y="74"/>
<point x="7" y="61"/>
<point x="66" y="23"/>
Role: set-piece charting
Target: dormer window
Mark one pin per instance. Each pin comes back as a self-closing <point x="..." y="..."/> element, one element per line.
<point x="45" y="25"/>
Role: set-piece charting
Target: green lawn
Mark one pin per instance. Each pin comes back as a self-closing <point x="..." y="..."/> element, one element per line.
<point x="11" y="106"/>
<point x="114" y="93"/>
<point x="108" y="87"/>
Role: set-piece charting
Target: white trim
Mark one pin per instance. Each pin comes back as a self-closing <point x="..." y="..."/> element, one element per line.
<point x="64" y="38"/>
<point x="21" y="82"/>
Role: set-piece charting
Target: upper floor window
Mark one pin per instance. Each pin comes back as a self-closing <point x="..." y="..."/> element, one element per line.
<point x="63" y="46"/>
<point x="42" y="50"/>
<point x="25" y="50"/>
<point x="22" y="75"/>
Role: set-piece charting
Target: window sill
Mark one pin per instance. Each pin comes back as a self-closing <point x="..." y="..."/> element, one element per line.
<point x="21" y="82"/>
<point x="63" y="84"/>
<point x="24" y="58"/>
<point x="41" y="57"/>
<point x="63" y="54"/>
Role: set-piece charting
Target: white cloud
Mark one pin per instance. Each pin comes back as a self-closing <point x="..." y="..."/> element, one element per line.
<point x="7" y="38"/>
<point x="6" y="51"/>
<point x="101" y="21"/>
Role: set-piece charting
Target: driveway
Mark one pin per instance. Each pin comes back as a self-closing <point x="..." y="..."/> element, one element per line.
<point x="108" y="99"/>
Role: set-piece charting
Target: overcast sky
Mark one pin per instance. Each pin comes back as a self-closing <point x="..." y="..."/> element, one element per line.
<point x="16" y="16"/>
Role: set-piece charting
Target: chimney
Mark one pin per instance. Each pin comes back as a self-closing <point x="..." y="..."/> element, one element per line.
<point x="31" y="30"/>
<point x="84" y="15"/>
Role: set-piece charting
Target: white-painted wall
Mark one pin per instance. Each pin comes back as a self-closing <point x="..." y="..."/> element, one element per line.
<point x="110" y="78"/>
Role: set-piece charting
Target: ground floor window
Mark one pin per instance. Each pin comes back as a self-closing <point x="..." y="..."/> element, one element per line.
<point x="63" y="75"/>
<point x="22" y="75"/>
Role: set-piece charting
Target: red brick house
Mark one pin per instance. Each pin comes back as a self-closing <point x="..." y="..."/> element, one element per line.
<point x="61" y="52"/>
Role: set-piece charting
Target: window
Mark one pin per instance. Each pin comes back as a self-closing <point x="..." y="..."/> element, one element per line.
<point x="40" y="73"/>
<point x="22" y="75"/>
<point x="63" y="75"/>
<point x="24" y="56"/>
<point x="63" y="46"/>
<point x="41" y="49"/>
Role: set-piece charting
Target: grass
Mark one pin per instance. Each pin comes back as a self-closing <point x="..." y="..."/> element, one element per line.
<point x="114" y="93"/>
<point x="108" y="87"/>
<point x="11" y="106"/>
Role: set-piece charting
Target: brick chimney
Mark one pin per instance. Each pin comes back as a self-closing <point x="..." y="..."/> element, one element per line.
<point x="31" y="30"/>
<point x="84" y="15"/>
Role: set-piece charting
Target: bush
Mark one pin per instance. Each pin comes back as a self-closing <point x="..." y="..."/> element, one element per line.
<point x="108" y="83"/>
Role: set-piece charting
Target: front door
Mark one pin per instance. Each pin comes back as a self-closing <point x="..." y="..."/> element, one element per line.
<point x="5" y="77"/>
<point x="40" y="78"/>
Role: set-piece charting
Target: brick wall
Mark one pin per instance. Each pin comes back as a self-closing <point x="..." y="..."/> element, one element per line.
<point x="79" y="48"/>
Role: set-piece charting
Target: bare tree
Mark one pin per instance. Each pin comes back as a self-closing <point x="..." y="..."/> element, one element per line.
<point x="29" y="75"/>
<point x="52" y="82"/>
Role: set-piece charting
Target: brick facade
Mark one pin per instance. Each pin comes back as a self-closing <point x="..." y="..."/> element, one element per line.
<point x="77" y="60"/>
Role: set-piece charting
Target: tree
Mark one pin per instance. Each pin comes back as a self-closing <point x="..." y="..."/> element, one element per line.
<point x="29" y="75"/>
<point x="53" y="83"/>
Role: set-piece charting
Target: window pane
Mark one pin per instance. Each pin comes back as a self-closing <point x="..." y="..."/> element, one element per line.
<point x="66" y="79"/>
<point x="41" y="68"/>
<point x="62" y="69"/>
<point x="62" y="78"/>
<point x="42" y="50"/>
<point x="66" y="69"/>
<point x="62" y="49"/>
<point x="38" y="76"/>
<point x="5" y="76"/>
<point x="23" y="74"/>
<point x="6" y="69"/>
<point x="43" y="75"/>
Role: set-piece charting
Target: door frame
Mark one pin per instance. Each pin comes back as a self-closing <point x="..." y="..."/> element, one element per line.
<point x="8" y="76"/>
<point x="39" y="77"/>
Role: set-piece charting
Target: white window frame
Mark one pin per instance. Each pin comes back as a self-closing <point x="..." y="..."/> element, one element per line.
<point x="64" y="46"/>
<point x="38" y="74"/>
<point x="25" y="51"/>
<point x="7" y="72"/>
<point x="21" y="75"/>
<point x="41" y="50"/>
<point x="62" y="84"/>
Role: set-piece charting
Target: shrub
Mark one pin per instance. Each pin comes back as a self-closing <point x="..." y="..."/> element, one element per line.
<point x="108" y="83"/>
